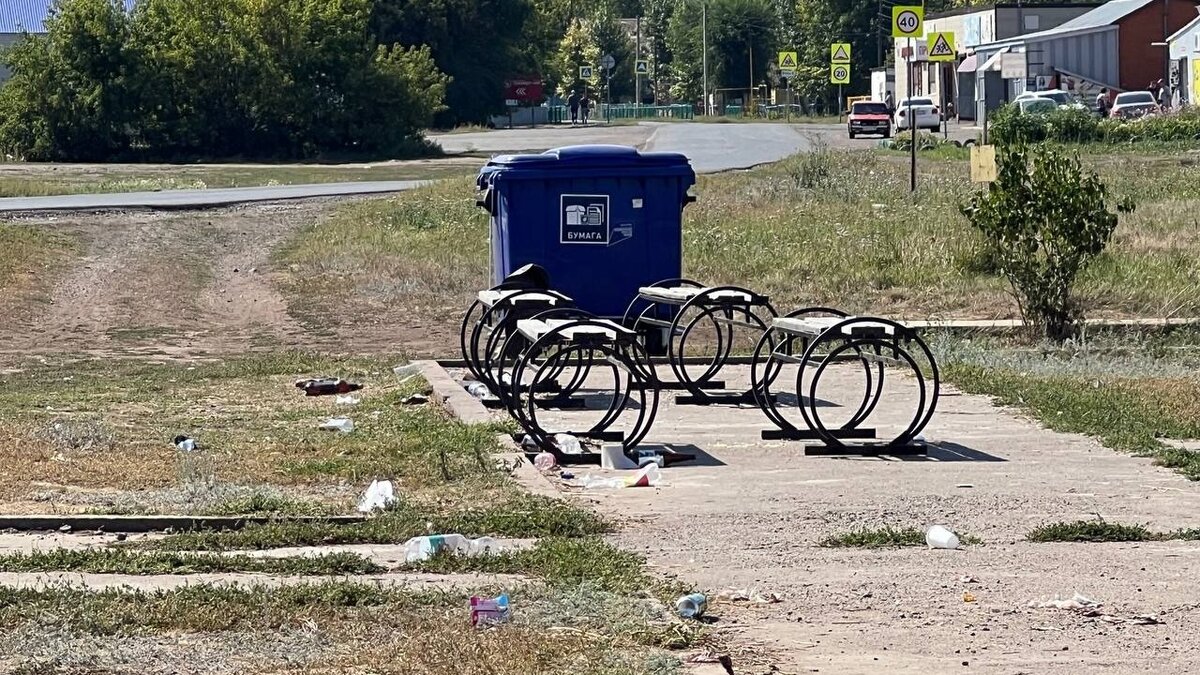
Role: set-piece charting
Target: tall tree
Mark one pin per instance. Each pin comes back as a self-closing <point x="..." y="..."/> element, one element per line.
<point x="478" y="43"/>
<point x="654" y="28"/>
<point x="578" y="48"/>
<point x="612" y="39"/>
<point x="741" y="44"/>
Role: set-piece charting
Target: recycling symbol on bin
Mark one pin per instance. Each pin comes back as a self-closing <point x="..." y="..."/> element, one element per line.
<point x="584" y="219"/>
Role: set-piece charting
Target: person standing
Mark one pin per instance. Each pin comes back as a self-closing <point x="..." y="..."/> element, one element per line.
<point x="891" y="106"/>
<point x="1102" y="106"/>
<point x="573" y="104"/>
<point x="585" y="105"/>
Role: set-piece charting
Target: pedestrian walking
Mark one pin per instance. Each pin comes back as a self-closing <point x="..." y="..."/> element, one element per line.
<point x="585" y="106"/>
<point x="573" y="104"/>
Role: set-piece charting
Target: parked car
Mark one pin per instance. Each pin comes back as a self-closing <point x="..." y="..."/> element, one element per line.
<point x="1062" y="98"/>
<point x="923" y="109"/>
<point x="1036" y="105"/>
<point x="1133" y="104"/>
<point x="869" y="117"/>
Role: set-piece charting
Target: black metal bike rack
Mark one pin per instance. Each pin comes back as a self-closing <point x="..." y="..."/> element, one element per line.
<point x="566" y="343"/>
<point x="819" y="337"/>
<point x="666" y="314"/>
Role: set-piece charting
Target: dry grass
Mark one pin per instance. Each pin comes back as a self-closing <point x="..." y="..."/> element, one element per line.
<point x="29" y="260"/>
<point x="36" y="180"/>
<point x="83" y="431"/>
<point x="835" y="228"/>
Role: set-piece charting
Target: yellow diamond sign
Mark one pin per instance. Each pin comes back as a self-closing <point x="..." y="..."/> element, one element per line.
<point x="787" y="60"/>
<point x="839" y="52"/>
<point x="941" y="47"/>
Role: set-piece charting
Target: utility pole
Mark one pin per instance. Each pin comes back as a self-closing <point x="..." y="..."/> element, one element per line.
<point x="704" y="51"/>
<point x="912" y="123"/>
<point x="637" y="74"/>
<point x="750" y="47"/>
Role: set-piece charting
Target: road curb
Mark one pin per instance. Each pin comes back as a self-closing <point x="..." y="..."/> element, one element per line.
<point x="465" y="407"/>
<point x="133" y="524"/>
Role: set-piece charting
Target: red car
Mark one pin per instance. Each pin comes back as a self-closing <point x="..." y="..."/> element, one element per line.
<point x="869" y="117"/>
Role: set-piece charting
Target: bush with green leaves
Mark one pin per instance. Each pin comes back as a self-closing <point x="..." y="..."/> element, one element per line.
<point x="220" y="78"/>
<point x="1073" y="125"/>
<point x="1045" y="219"/>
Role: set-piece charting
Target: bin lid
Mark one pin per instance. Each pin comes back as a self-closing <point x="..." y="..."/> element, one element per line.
<point x="588" y="157"/>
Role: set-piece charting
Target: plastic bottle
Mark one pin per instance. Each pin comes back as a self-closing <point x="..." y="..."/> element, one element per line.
<point x="487" y="611"/>
<point x="939" y="536"/>
<point x="418" y="549"/>
<point x="477" y="389"/>
<point x="544" y="461"/>
<point x="327" y="386"/>
<point x="691" y="606"/>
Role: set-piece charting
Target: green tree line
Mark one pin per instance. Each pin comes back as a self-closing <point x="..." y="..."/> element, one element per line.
<point x="303" y="78"/>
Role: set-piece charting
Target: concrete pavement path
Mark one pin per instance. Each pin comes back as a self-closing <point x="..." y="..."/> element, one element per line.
<point x="184" y="199"/>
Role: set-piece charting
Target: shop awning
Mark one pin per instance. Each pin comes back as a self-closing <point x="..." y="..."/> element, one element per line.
<point x="968" y="64"/>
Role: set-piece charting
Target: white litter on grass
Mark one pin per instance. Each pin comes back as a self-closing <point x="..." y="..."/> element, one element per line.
<point x="407" y="372"/>
<point x="648" y="476"/>
<point x="347" y="400"/>
<point x="568" y="444"/>
<point x="750" y="595"/>
<point x="379" y="495"/>
<point x="342" y="424"/>
<point x="1076" y="602"/>
<point x="418" y="549"/>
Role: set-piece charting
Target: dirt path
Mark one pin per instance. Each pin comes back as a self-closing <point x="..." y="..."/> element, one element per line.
<point x="167" y="284"/>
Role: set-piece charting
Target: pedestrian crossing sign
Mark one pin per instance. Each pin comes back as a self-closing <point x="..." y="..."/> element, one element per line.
<point x="941" y="47"/>
<point x="839" y="52"/>
<point x="641" y="67"/>
<point x="787" y="60"/>
<point x="585" y="72"/>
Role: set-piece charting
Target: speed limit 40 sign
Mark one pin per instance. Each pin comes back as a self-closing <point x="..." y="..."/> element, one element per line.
<point x="907" y="21"/>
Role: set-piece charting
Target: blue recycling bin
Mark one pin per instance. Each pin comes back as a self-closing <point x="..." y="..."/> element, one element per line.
<point x="603" y="220"/>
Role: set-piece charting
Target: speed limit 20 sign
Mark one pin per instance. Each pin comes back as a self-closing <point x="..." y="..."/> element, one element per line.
<point x="907" y="21"/>
<point x="839" y="73"/>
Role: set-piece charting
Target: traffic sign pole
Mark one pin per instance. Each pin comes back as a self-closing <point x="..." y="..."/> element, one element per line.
<point x="912" y="125"/>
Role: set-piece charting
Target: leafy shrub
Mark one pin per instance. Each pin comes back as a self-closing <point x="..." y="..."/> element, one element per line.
<point x="1045" y="221"/>
<point x="925" y="141"/>
<point x="178" y="78"/>
<point x="1071" y="125"/>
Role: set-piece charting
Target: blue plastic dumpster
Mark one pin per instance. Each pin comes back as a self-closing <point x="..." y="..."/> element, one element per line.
<point x="602" y="220"/>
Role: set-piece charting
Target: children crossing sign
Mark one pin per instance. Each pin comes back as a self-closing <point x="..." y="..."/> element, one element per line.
<point x="839" y="52"/>
<point x="787" y="60"/>
<point x="941" y="47"/>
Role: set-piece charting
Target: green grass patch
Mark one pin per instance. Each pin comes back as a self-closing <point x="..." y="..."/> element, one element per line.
<point x="122" y="561"/>
<point x="1092" y="531"/>
<point x="556" y="560"/>
<point x="262" y="504"/>
<point x="521" y="515"/>
<point x="885" y="537"/>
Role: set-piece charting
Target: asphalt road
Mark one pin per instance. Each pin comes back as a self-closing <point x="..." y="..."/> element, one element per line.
<point x="184" y="199"/>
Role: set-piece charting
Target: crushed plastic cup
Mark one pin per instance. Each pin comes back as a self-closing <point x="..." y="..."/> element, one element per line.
<point x="544" y="461"/>
<point x="612" y="456"/>
<point x="379" y="495"/>
<point x="185" y="443"/>
<point x="342" y="424"/>
<point x="940" y="536"/>
<point x="691" y="606"/>
<point x="490" y="611"/>
<point x="568" y="444"/>
<point x="648" y="476"/>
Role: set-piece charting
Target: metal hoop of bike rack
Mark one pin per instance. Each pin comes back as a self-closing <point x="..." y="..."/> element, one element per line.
<point x="569" y="341"/>
<point x="678" y="307"/>
<point x="874" y="342"/>
<point x="495" y="313"/>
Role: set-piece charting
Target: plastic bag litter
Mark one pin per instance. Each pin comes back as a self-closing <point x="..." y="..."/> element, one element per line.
<point x="424" y="548"/>
<point x="648" y="476"/>
<point x="750" y="595"/>
<point x="342" y="424"/>
<point x="347" y="400"/>
<point x="568" y="444"/>
<point x="407" y="372"/>
<point x="1076" y="602"/>
<point x="379" y="495"/>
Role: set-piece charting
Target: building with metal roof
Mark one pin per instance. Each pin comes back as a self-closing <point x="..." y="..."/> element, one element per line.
<point x="1120" y="45"/>
<point x="1184" y="50"/>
